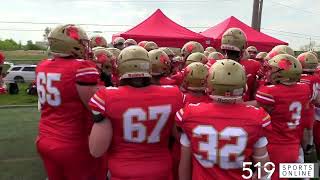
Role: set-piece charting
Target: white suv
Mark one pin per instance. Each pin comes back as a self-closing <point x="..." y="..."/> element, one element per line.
<point x="21" y="73"/>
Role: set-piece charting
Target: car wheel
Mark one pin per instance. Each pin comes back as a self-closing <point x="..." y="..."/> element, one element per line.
<point x="18" y="79"/>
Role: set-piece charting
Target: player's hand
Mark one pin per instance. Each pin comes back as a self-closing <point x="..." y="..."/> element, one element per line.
<point x="308" y="149"/>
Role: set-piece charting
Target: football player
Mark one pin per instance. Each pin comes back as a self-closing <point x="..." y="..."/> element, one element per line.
<point x="65" y="84"/>
<point x="233" y="44"/>
<point x="213" y="57"/>
<point x="309" y="64"/>
<point x="169" y="52"/>
<point x="288" y="103"/>
<point x="118" y="43"/>
<point x="150" y="45"/>
<point x="142" y="43"/>
<point x="261" y="57"/>
<point x="115" y="77"/>
<point x="187" y="49"/>
<point x="161" y="66"/>
<point x="210" y="49"/>
<point x="252" y="52"/>
<point x="222" y="134"/>
<point x="196" y="57"/>
<point x="98" y="41"/>
<point x="130" y="42"/>
<point x="138" y="118"/>
<point x="106" y="64"/>
<point x="194" y="83"/>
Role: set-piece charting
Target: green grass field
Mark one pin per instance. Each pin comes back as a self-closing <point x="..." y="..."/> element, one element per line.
<point x="25" y="57"/>
<point x="19" y="99"/>
<point x="18" y="157"/>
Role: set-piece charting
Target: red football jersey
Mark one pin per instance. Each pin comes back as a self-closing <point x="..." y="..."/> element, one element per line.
<point x="191" y="98"/>
<point x="290" y="104"/>
<point x="178" y="77"/>
<point x="251" y="67"/>
<point x="63" y="115"/>
<point x="222" y="137"/>
<point x="167" y="81"/>
<point x="314" y="83"/>
<point x="142" y="121"/>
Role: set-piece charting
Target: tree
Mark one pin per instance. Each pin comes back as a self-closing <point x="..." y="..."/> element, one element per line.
<point x="31" y="46"/>
<point x="307" y="47"/>
<point x="9" y="44"/>
<point x="46" y="33"/>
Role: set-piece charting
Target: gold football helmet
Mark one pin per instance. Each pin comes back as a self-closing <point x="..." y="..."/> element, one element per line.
<point x="134" y="62"/>
<point x="69" y="40"/>
<point x="284" y="69"/>
<point x="309" y="61"/>
<point x="234" y="39"/>
<point x="196" y="57"/>
<point x="191" y="47"/>
<point x="98" y="41"/>
<point x="195" y="77"/>
<point x="226" y="80"/>
<point x="160" y="62"/>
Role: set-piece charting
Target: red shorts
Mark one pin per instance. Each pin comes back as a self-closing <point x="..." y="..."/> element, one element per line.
<point x="316" y="135"/>
<point x="69" y="162"/>
<point x="175" y="152"/>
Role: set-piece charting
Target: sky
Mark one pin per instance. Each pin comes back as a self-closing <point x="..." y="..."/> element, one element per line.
<point x="294" y="21"/>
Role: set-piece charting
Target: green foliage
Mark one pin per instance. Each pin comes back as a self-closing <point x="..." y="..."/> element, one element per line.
<point x="10" y="45"/>
<point x="31" y="46"/>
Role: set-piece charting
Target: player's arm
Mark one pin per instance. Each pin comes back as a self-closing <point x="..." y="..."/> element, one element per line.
<point x="101" y="132"/>
<point x="185" y="166"/>
<point x="101" y="136"/>
<point x="260" y="154"/>
<point x="86" y="92"/>
<point x="265" y="100"/>
<point x="86" y="81"/>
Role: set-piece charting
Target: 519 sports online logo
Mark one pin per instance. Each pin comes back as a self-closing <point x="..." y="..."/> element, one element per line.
<point x="285" y="170"/>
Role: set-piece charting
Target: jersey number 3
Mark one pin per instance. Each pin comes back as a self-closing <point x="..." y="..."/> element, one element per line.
<point x="46" y="91"/>
<point x="136" y="131"/>
<point x="295" y="108"/>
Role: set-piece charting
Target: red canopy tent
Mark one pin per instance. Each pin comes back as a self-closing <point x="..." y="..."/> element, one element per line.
<point x="260" y="40"/>
<point x="163" y="31"/>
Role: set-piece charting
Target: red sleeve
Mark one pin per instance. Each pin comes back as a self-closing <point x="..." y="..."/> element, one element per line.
<point x="264" y="97"/>
<point x="98" y="101"/>
<point x="264" y="118"/>
<point x="87" y="73"/>
<point x="180" y="117"/>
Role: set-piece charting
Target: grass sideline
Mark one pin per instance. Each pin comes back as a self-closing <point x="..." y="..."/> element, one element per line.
<point x="22" y="98"/>
<point x="18" y="157"/>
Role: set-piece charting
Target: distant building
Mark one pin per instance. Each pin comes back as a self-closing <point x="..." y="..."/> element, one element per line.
<point x="42" y="44"/>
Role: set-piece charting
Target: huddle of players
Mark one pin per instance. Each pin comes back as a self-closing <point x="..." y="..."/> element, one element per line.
<point x="163" y="117"/>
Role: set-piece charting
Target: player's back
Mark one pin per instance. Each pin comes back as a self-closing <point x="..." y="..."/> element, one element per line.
<point x="142" y="121"/>
<point x="222" y="137"/>
<point x="290" y="104"/>
<point x="63" y="116"/>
